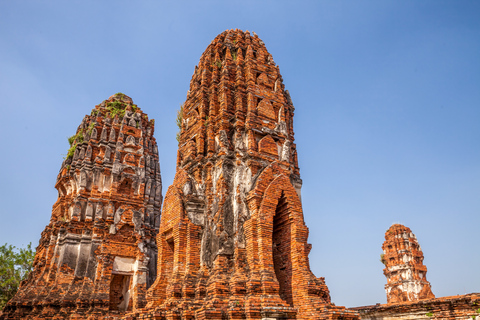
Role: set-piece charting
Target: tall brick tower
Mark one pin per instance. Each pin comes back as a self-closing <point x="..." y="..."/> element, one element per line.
<point x="97" y="256"/>
<point x="404" y="269"/>
<point x="232" y="242"/>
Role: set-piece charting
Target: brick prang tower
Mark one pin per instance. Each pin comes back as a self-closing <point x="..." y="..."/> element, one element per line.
<point x="406" y="274"/>
<point x="232" y="242"/>
<point x="97" y="257"/>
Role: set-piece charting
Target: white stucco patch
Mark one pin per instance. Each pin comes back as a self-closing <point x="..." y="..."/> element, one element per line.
<point x="123" y="265"/>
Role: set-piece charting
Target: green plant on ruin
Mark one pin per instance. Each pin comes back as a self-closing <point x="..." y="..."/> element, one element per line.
<point x="179" y="122"/>
<point x="429" y="314"/>
<point x="234" y="55"/>
<point x="116" y="108"/>
<point x="74" y="141"/>
<point x="134" y="107"/>
<point x="77" y="138"/>
<point x="382" y="259"/>
<point x="71" y="151"/>
<point x="90" y="127"/>
<point x="218" y="63"/>
<point x="94" y="112"/>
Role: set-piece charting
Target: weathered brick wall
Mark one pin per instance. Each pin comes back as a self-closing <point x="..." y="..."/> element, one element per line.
<point x="232" y="224"/>
<point x="462" y="307"/>
<point x="104" y="221"/>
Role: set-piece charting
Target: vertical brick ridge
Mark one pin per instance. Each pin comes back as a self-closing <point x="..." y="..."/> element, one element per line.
<point x="104" y="222"/>
<point x="406" y="274"/>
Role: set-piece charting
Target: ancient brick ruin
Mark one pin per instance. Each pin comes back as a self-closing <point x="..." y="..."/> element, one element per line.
<point x="409" y="294"/>
<point x="403" y="259"/>
<point x="232" y="242"/>
<point x="97" y="256"/>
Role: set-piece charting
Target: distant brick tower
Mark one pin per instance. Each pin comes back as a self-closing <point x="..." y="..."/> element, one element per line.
<point x="232" y="242"/>
<point x="97" y="256"/>
<point x="404" y="269"/>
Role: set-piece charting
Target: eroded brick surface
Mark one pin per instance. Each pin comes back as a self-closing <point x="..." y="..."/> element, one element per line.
<point x="406" y="274"/>
<point x="98" y="252"/>
<point x="232" y="242"/>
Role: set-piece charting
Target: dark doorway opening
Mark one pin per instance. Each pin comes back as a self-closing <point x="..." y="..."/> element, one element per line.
<point x="282" y="255"/>
<point x="120" y="293"/>
<point x="125" y="187"/>
<point x="169" y="255"/>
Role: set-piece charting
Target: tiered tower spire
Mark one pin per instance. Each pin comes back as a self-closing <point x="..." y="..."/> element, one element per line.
<point x="232" y="242"/>
<point x="97" y="256"/>
<point x="406" y="274"/>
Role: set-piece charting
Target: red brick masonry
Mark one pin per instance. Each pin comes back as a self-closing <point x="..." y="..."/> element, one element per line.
<point x="97" y="256"/>
<point x="232" y="242"/>
<point x="406" y="274"/>
<point x="464" y="307"/>
<point x="409" y="294"/>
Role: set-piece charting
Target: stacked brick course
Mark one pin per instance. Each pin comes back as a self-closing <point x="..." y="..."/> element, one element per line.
<point x="97" y="256"/>
<point x="232" y="242"/>
<point x="406" y="274"/>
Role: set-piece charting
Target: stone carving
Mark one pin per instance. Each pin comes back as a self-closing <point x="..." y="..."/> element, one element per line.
<point x="406" y="274"/>
<point x="232" y="242"/>
<point x="97" y="256"/>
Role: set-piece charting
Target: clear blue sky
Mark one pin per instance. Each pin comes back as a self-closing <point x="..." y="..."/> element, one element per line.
<point x="387" y="98"/>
